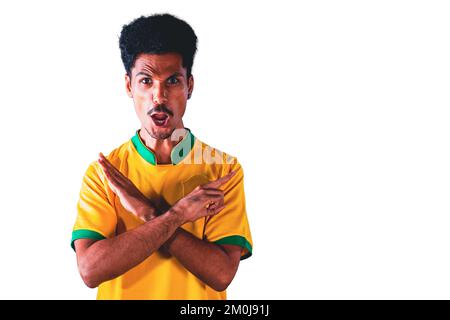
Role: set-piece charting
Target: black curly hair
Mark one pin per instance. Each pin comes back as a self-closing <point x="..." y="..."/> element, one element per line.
<point x="157" y="34"/>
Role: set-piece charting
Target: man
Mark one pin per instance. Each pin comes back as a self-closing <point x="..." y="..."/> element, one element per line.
<point x="163" y="215"/>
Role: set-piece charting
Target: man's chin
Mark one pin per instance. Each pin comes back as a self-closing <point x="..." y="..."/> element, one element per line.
<point x="160" y="133"/>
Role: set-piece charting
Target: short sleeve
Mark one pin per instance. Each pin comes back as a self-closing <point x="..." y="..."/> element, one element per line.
<point x="230" y="226"/>
<point x="96" y="218"/>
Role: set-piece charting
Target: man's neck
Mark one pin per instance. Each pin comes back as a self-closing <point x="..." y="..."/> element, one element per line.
<point x="161" y="148"/>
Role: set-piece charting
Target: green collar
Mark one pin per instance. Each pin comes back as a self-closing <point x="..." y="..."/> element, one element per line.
<point x="179" y="152"/>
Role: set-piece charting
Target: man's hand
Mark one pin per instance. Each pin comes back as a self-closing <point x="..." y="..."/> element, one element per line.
<point x="205" y="200"/>
<point x="131" y="198"/>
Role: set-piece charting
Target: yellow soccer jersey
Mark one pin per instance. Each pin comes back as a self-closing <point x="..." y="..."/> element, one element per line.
<point x="101" y="215"/>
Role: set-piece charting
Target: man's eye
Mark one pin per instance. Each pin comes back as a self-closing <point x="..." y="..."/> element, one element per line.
<point x="146" y="81"/>
<point x="172" y="80"/>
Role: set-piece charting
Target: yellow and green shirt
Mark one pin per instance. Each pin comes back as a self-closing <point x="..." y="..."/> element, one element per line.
<point x="101" y="215"/>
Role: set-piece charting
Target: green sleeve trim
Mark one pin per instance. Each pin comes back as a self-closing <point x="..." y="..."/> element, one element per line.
<point x="238" y="241"/>
<point x="85" y="234"/>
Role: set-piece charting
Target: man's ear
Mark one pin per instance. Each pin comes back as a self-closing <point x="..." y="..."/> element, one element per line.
<point x="128" y="85"/>
<point x="190" y="85"/>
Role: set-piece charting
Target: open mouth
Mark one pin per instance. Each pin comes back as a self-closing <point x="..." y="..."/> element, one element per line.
<point x="160" y="119"/>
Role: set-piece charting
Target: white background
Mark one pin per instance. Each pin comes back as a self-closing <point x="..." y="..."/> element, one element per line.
<point x="337" y="110"/>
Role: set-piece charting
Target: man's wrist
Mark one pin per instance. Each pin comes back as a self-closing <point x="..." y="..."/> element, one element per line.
<point x="178" y="215"/>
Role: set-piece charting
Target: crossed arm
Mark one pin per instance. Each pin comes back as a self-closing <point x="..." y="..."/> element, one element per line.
<point x="106" y="259"/>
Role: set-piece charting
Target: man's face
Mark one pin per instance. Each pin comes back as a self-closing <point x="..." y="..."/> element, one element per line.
<point x="160" y="88"/>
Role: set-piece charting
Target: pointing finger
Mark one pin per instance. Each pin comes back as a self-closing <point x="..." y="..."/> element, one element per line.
<point x="221" y="181"/>
<point x="111" y="172"/>
<point x="108" y="165"/>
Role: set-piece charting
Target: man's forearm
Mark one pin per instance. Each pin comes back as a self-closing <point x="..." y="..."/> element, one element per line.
<point x="207" y="261"/>
<point x="204" y="200"/>
<point x="109" y="258"/>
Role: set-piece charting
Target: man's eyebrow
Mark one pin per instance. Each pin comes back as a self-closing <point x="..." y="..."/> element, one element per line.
<point x="143" y="74"/>
<point x="176" y="74"/>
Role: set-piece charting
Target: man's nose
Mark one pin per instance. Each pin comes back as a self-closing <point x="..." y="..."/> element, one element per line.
<point x="159" y="94"/>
